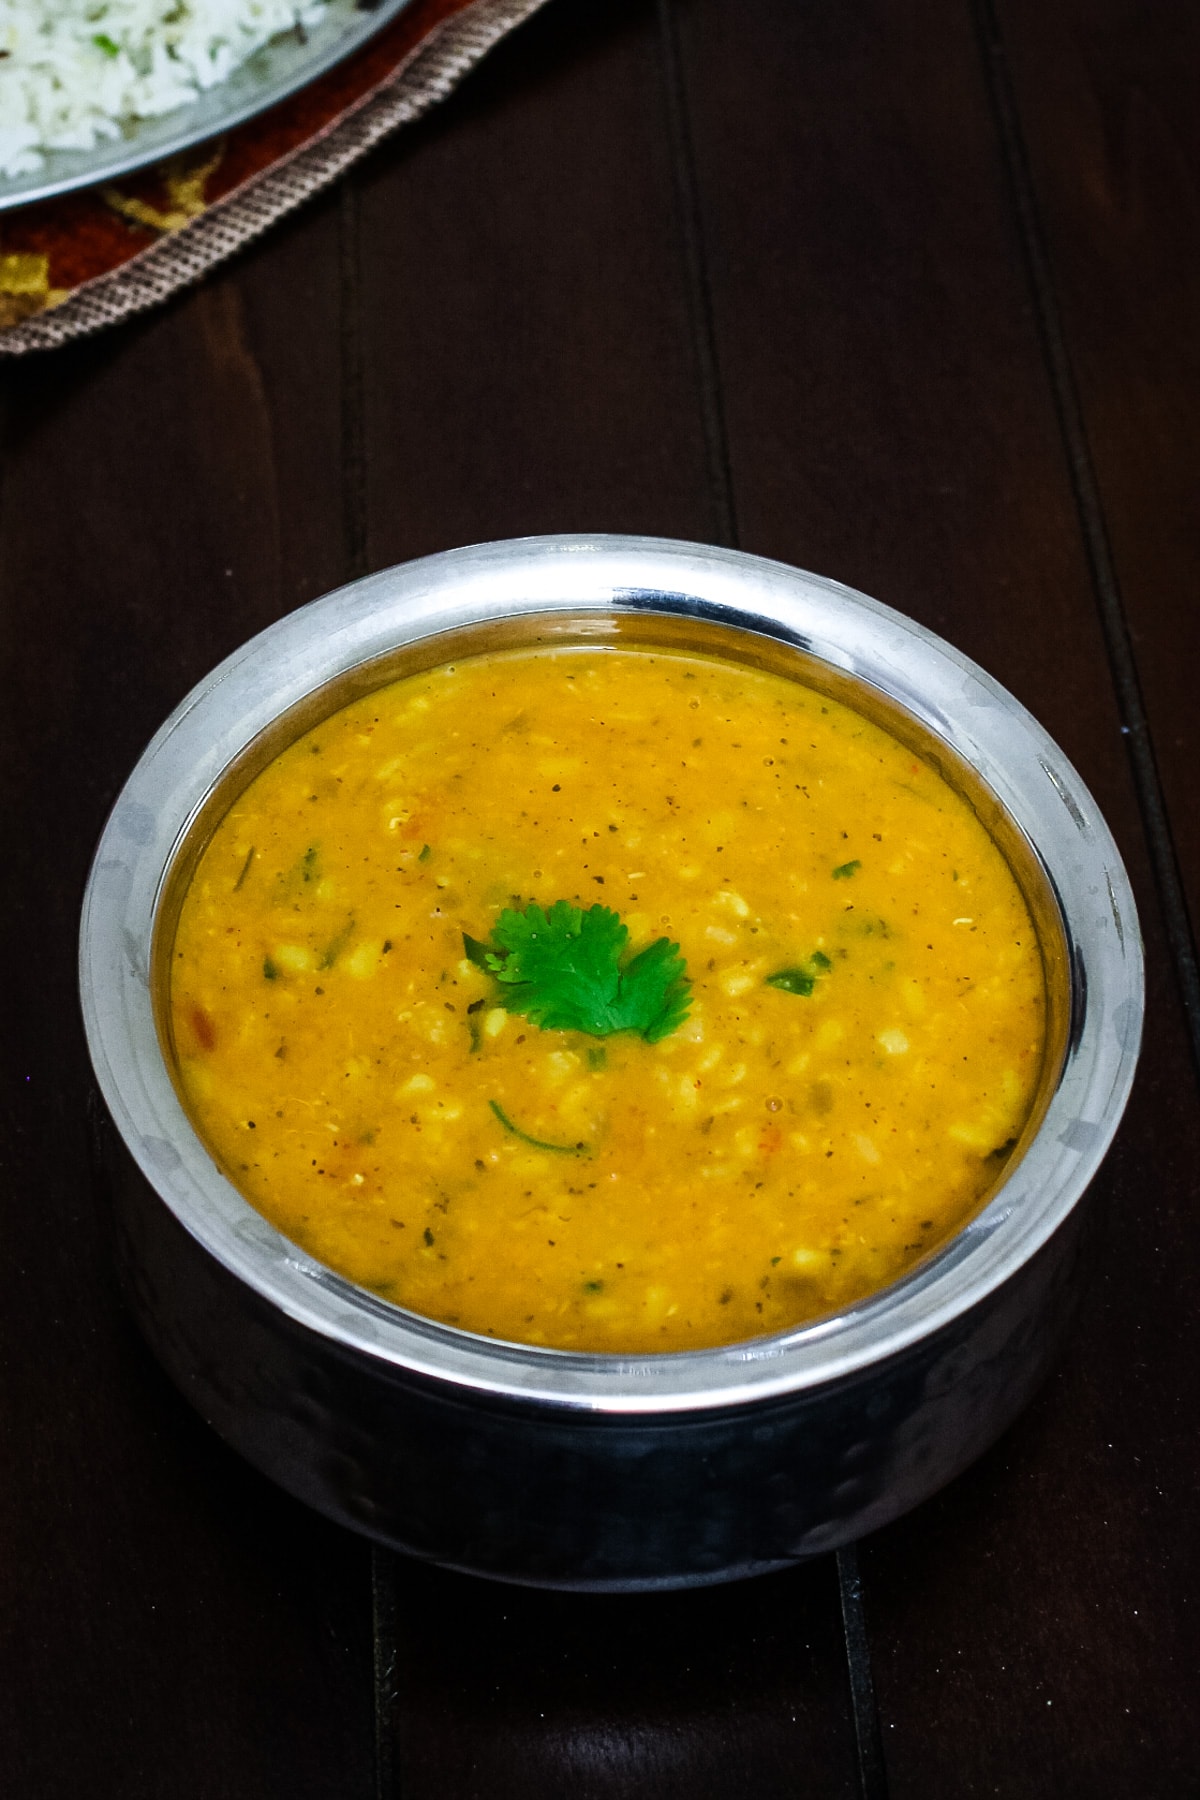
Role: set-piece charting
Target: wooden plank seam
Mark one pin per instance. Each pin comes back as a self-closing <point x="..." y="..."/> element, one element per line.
<point x="1092" y="524"/>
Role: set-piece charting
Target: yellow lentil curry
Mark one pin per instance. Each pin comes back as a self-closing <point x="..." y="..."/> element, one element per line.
<point x="616" y="1000"/>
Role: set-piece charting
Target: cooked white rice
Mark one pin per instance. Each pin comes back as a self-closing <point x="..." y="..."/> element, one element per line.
<point x="74" y="72"/>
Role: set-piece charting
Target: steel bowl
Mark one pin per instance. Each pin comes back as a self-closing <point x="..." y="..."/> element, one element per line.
<point x="597" y="1471"/>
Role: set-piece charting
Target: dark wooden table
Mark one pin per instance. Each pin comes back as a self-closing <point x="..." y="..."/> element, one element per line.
<point x="906" y="294"/>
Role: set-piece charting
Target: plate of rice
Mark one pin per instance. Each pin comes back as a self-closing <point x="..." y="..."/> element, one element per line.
<point x="92" y="89"/>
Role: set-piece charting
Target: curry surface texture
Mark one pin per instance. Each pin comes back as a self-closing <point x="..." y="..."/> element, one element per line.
<point x="863" y="1045"/>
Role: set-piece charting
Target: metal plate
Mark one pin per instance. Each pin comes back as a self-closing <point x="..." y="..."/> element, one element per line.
<point x="270" y="75"/>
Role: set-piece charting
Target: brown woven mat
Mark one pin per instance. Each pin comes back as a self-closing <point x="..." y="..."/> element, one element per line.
<point x="72" y="265"/>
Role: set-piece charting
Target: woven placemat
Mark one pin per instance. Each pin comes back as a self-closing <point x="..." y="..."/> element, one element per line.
<point x="73" y="265"/>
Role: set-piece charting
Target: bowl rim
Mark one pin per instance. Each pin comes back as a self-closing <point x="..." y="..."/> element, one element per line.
<point x="951" y="700"/>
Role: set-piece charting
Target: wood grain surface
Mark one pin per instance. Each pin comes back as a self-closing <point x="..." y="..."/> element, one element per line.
<point x="904" y="295"/>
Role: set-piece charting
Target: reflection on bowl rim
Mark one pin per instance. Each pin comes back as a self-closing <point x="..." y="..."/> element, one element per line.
<point x="352" y="640"/>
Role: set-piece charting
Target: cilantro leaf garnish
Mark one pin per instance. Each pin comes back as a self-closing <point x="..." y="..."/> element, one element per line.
<point x="566" y="970"/>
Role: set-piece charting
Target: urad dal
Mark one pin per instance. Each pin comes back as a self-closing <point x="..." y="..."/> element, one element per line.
<point x="813" y="1091"/>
